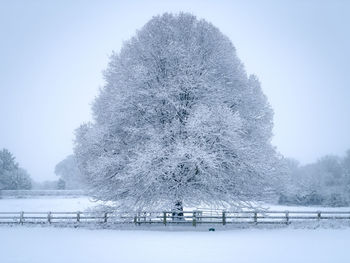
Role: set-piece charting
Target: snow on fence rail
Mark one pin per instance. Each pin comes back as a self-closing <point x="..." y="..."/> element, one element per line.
<point x="167" y="218"/>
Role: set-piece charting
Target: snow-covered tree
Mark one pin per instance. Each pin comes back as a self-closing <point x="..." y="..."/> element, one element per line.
<point x="69" y="172"/>
<point x="178" y="122"/>
<point x="12" y="177"/>
<point x="324" y="182"/>
<point x="346" y="169"/>
<point x="61" y="184"/>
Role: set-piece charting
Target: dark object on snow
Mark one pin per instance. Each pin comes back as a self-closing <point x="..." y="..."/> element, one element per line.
<point x="211" y="229"/>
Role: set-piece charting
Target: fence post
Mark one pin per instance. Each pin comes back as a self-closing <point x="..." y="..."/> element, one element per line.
<point x="49" y="217"/>
<point x="21" y="217"/>
<point x="105" y="217"/>
<point x="199" y="217"/>
<point x="224" y="218"/>
<point x="78" y="216"/>
<point x="287" y="217"/>
<point x="194" y="219"/>
<point x="137" y="218"/>
<point x="255" y="217"/>
<point x="164" y="218"/>
<point x="318" y="215"/>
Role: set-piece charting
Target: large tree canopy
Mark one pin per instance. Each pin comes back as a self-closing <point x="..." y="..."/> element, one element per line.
<point x="178" y="120"/>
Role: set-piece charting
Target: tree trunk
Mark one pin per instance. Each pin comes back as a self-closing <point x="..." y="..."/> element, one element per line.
<point x="178" y="214"/>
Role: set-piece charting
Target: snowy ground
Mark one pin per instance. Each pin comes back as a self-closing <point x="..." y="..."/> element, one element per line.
<point x="37" y="244"/>
<point x="58" y="204"/>
<point x="53" y="244"/>
<point x="46" y="204"/>
<point x="306" y="208"/>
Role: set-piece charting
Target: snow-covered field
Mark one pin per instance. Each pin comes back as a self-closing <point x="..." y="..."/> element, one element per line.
<point x="38" y="244"/>
<point x="46" y="204"/>
<point x="53" y="244"/>
<point x="51" y="203"/>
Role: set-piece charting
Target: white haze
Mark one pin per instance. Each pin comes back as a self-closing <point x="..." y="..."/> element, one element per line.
<point x="52" y="55"/>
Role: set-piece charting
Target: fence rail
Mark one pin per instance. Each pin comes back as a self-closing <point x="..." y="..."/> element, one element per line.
<point x="193" y="218"/>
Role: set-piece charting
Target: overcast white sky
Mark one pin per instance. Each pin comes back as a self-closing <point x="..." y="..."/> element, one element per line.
<point x="52" y="54"/>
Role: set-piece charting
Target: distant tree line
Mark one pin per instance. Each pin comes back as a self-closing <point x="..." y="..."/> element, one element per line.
<point x="69" y="177"/>
<point x="12" y="177"/>
<point x="325" y="182"/>
<point x="69" y="173"/>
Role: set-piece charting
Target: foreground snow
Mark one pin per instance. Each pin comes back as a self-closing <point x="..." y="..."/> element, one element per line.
<point x="36" y="244"/>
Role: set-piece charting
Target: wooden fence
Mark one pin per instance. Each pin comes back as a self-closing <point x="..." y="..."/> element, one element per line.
<point x="193" y="218"/>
